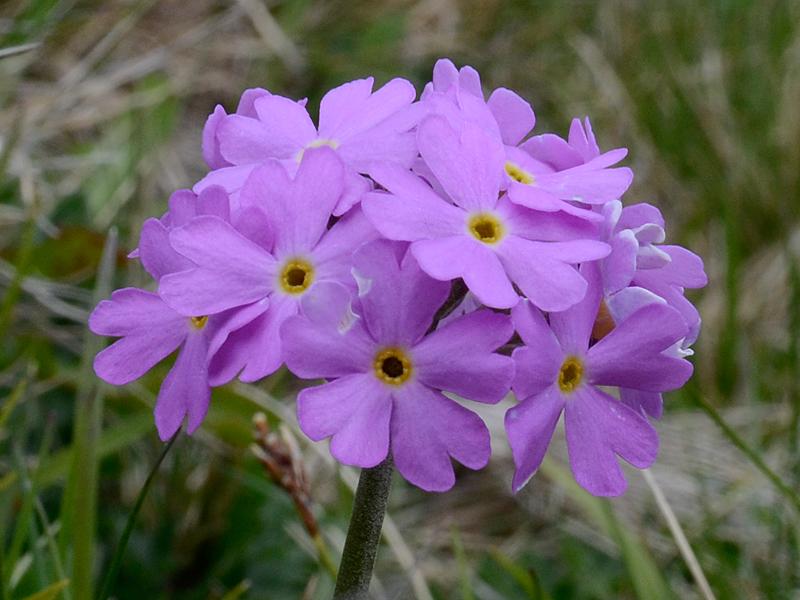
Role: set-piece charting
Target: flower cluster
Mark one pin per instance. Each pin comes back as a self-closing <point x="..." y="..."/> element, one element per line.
<point x="412" y="252"/>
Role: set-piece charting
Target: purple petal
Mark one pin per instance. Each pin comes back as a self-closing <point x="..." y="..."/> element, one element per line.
<point x="230" y="357"/>
<point x="286" y="124"/>
<point x="379" y="145"/>
<point x="553" y="151"/>
<point x="470" y="81"/>
<point x="427" y="429"/>
<point x="452" y="257"/>
<point x="354" y="187"/>
<point x="231" y="179"/>
<point x="355" y="412"/>
<point x="182" y="207"/>
<point x="627" y="301"/>
<point x="685" y="269"/>
<point x="253" y="224"/>
<point x="469" y="165"/>
<point x="598" y="427"/>
<point x="582" y="139"/>
<point x="312" y="351"/>
<point x="234" y="271"/>
<point x="541" y="200"/>
<point x="412" y="211"/>
<point x="243" y="140"/>
<point x="537" y="363"/>
<point x="356" y="112"/>
<point x="341" y="105"/>
<point x="549" y="283"/>
<point x="583" y="185"/>
<point x="256" y="348"/>
<point x="459" y="357"/>
<point x="650" y="403"/>
<point x="329" y="304"/>
<point x="157" y="256"/>
<point x="349" y="233"/>
<point x="213" y="200"/>
<point x="445" y="74"/>
<point x="246" y="106"/>
<point x="211" y="153"/>
<point x="619" y="267"/>
<point x="636" y="215"/>
<point x="544" y="226"/>
<point x="185" y="391"/>
<point x="513" y="114"/>
<point x="150" y="331"/>
<point x="401" y="300"/>
<point x="631" y="355"/>
<point x="529" y="426"/>
<point x="573" y="327"/>
<point x="315" y="192"/>
<point x="298" y="210"/>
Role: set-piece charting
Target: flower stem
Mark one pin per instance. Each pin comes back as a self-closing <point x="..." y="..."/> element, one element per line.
<point x="364" y="533"/>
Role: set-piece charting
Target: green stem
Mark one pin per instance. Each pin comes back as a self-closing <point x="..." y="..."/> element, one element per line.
<point x="364" y="533"/>
<point x="126" y="534"/>
<point x="754" y="457"/>
<point x="324" y="556"/>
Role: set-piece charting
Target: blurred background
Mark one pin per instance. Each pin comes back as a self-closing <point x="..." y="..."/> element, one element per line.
<point x="102" y="105"/>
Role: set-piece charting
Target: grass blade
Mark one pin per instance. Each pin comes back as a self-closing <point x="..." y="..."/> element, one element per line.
<point x="51" y="592"/>
<point x="785" y="489"/>
<point x="680" y="537"/>
<point x="116" y="560"/>
<point x="79" y="508"/>
<point x="645" y="574"/>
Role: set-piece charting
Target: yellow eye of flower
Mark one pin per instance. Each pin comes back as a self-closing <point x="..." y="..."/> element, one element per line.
<point x="199" y="322"/>
<point x="317" y="144"/>
<point x="519" y="174"/>
<point x="296" y="276"/>
<point x="392" y="366"/>
<point x="570" y="375"/>
<point x="486" y="228"/>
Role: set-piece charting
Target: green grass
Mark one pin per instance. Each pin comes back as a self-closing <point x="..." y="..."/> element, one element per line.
<point x="101" y="120"/>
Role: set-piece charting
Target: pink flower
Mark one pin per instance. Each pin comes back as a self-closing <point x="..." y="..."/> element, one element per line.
<point x="474" y="233"/>
<point x="388" y="373"/>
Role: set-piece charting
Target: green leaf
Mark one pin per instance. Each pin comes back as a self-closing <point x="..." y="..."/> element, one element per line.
<point x="50" y="592"/>
<point x="643" y="571"/>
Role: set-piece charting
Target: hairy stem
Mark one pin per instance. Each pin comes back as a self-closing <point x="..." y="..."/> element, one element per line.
<point x="364" y="533"/>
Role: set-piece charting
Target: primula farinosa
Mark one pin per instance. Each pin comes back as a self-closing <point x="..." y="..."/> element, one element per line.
<point x="388" y="374"/>
<point x="640" y="267"/>
<point x="474" y="232"/>
<point x="234" y="271"/>
<point x="507" y="114"/>
<point x="149" y="331"/>
<point x="332" y="248"/>
<point x="544" y="173"/>
<point x="559" y="370"/>
<point x="362" y="126"/>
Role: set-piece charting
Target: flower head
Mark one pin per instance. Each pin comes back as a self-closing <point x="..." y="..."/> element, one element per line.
<point x="362" y="126"/>
<point x="388" y="373"/>
<point x="149" y="331"/>
<point x="557" y="370"/>
<point x="471" y="231"/>
<point x="233" y="271"/>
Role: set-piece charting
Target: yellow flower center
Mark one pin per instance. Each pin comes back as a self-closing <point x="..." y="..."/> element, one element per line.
<point x="570" y="375"/>
<point x="297" y="276"/>
<point x="318" y="143"/>
<point x="486" y="228"/>
<point x="519" y="174"/>
<point x="392" y="366"/>
<point x="198" y="322"/>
